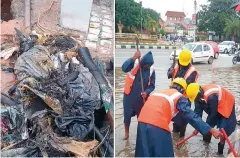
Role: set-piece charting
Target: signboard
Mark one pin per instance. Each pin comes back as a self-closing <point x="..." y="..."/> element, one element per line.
<point x="194" y="19"/>
<point x="180" y="32"/>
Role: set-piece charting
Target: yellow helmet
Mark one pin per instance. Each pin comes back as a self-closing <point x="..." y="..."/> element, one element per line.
<point x="192" y="91"/>
<point x="181" y="82"/>
<point x="185" y="57"/>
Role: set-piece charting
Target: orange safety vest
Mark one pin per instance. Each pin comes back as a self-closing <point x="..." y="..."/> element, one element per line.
<point x="225" y="99"/>
<point x="131" y="76"/>
<point x="159" y="108"/>
<point x="190" y="70"/>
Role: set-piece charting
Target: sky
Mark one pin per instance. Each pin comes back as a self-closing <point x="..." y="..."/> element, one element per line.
<point x="162" y="6"/>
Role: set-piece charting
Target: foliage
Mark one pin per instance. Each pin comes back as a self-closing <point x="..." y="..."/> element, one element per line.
<point x="129" y="13"/>
<point x="213" y="17"/>
<point x="232" y="27"/>
<point x="152" y="13"/>
<point x="162" y="32"/>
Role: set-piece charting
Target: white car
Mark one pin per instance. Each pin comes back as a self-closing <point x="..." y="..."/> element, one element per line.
<point x="201" y="52"/>
<point x="226" y="46"/>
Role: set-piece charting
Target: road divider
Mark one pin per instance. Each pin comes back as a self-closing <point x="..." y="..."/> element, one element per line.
<point x="144" y="47"/>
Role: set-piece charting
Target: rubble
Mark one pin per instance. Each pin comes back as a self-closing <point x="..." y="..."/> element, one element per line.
<point x="61" y="103"/>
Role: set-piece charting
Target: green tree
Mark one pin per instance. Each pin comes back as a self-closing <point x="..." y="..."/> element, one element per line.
<point x="153" y="14"/>
<point x="162" y="32"/>
<point x="129" y="13"/>
<point x="213" y="17"/>
<point x="232" y="27"/>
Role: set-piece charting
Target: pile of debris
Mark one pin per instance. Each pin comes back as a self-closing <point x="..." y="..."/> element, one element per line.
<point x="61" y="103"/>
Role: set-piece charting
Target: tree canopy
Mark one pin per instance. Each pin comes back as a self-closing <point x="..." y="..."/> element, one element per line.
<point x="232" y="27"/>
<point x="129" y="13"/>
<point x="213" y="17"/>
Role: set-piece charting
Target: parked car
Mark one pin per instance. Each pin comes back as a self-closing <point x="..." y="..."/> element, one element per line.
<point x="201" y="52"/>
<point x="214" y="46"/>
<point x="189" y="39"/>
<point x="226" y="46"/>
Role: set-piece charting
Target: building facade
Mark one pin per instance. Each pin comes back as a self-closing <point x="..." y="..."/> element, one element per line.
<point x="175" y="23"/>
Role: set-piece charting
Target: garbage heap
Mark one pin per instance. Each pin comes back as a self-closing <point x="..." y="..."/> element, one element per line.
<point x="61" y="103"/>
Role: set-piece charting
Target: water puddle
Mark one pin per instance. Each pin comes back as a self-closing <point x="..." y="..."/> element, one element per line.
<point x="228" y="77"/>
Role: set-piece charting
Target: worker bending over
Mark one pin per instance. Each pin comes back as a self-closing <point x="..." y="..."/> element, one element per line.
<point x="184" y="69"/>
<point x="133" y="96"/>
<point x="153" y="134"/>
<point x="218" y="103"/>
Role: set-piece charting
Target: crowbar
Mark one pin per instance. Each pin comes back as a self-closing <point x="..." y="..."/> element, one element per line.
<point x="184" y="140"/>
<point x="229" y="143"/>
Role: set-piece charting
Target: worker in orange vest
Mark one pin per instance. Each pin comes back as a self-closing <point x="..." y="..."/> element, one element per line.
<point x="218" y="103"/>
<point x="153" y="134"/>
<point x="182" y="68"/>
<point x="133" y="96"/>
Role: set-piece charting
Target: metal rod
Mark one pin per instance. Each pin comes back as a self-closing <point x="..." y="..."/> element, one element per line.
<point x="184" y="140"/>
<point x="140" y="69"/>
<point x="229" y="143"/>
<point x="174" y="58"/>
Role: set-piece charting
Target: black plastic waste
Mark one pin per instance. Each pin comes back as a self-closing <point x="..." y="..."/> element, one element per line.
<point x="106" y="92"/>
<point x="21" y="152"/>
<point x="7" y="100"/>
<point x="75" y="126"/>
<point x="106" y="144"/>
<point x="7" y="69"/>
<point x="81" y="90"/>
<point x="64" y="43"/>
<point x="25" y="43"/>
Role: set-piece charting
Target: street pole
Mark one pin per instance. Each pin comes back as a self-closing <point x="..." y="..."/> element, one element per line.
<point x="194" y="27"/>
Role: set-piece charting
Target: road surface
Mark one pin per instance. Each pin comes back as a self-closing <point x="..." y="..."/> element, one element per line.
<point x="221" y="72"/>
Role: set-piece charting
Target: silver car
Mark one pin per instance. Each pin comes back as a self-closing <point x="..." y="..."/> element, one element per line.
<point x="226" y="46"/>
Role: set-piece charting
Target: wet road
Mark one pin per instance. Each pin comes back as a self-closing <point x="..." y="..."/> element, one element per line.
<point x="221" y="72"/>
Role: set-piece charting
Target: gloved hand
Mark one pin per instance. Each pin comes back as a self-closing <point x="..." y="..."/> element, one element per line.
<point x="136" y="55"/>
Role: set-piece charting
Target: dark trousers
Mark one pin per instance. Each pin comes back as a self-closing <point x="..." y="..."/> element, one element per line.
<point x="153" y="141"/>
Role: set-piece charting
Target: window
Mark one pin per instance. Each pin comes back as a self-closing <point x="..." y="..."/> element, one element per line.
<point x="198" y="48"/>
<point x="206" y="48"/>
<point x="170" y="18"/>
<point x="189" y="46"/>
<point x="175" y="19"/>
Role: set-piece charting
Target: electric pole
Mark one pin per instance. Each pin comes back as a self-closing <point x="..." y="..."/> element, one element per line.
<point x="195" y="22"/>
